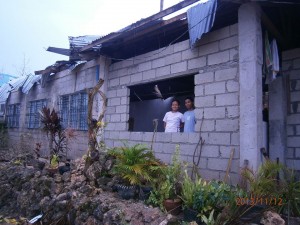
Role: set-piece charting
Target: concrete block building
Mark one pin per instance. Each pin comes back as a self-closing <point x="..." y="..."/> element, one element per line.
<point x="224" y="70"/>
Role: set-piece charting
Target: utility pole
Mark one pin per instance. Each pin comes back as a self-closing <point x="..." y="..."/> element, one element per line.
<point x="161" y="5"/>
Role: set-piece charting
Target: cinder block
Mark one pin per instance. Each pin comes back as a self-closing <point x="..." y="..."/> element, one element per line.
<point x="182" y="46"/>
<point x="232" y="86"/>
<point x="190" y="54"/>
<point x="144" y="66"/>
<point x="137" y="77"/>
<point x="217" y="164"/>
<point x="121" y="109"/>
<point x="226" y="74"/>
<point x="235" y="139"/>
<point x="163" y="157"/>
<point x="297" y="152"/>
<point x="210" y="151"/>
<point x="293" y="142"/>
<point x="233" y="54"/>
<point x="210" y="174"/>
<point x="203" y="78"/>
<point x="287" y="65"/>
<point x="214" y="113"/>
<point x="179" y="67"/>
<point x="124" y="117"/>
<point x="219" y="139"/>
<point x="233" y="29"/>
<point x="158" y="63"/>
<point x="124" y="135"/>
<point x="147" y="136"/>
<point x="217" y="58"/>
<point x="136" y="136"/>
<point x="162" y="71"/>
<point x="227" y="125"/>
<point x="297" y="129"/>
<point x="291" y="54"/>
<point x="293" y="164"/>
<point x="123" y="92"/>
<point x="110" y="126"/>
<point x="290" y="130"/>
<point x="208" y="48"/>
<point x="208" y="125"/>
<point x="121" y="126"/>
<point x="293" y="119"/>
<point x="114" y="101"/>
<point x="115" y="118"/>
<point x="179" y="137"/>
<point x="194" y="138"/>
<point x="227" y="99"/>
<point x="110" y="109"/>
<point x="168" y="148"/>
<point x="290" y="153"/>
<point x="214" y="88"/>
<point x="199" y="90"/>
<point x="232" y="111"/>
<point x="166" y="51"/>
<point x="225" y="152"/>
<point x="205" y="101"/>
<point x="196" y="63"/>
<point x="163" y="137"/>
<point x="230" y="42"/>
<point x="187" y="149"/>
<point x="157" y="148"/>
<point x="295" y="96"/>
<point x="124" y="100"/>
<point x="114" y="135"/>
<point x="133" y="69"/>
<point x="114" y="82"/>
<point x="150" y="74"/>
<point x="122" y="72"/>
<point x="172" y="59"/>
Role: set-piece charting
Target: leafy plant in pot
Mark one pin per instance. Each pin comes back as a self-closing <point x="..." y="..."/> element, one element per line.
<point x="166" y="192"/>
<point x="134" y="165"/>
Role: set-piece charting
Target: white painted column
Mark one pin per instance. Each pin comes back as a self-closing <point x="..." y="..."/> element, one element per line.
<point x="250" y="65"/>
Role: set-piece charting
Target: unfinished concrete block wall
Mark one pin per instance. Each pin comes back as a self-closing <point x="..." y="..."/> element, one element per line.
<point x="215" y="65"/>
<point x="62" y="83"/>
<point x="291" y="67"/>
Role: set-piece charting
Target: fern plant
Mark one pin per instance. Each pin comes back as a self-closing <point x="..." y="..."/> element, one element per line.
<point x="136" y="164"/>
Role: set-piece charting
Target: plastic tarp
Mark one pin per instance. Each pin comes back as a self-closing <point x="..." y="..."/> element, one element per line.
<point x="201" y="19"/>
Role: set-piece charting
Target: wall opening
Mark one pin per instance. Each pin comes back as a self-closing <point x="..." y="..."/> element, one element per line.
<point x="152" y="100"/>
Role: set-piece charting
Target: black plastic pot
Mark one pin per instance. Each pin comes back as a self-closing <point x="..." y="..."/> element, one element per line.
<point x="144" y="192"/>
<point x="190" y="215"/>
<point x="126" y="192"/>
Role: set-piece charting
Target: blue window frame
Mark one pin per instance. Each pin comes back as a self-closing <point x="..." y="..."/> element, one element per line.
<point x="13" y="115"/>
<point x="33" y="116"/>
<point x="73" y="110"/>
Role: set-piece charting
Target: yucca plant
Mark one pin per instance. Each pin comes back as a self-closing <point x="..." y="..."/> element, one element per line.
<point x="135" y="165"/>
<point x="264" y="182"/>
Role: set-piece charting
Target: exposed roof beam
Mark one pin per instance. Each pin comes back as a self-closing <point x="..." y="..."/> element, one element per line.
<point x="140" y="23"/>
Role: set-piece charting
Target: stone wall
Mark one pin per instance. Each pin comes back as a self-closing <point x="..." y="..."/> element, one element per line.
<point x="62" y="83"/>
<point x="291" y="66"/>
<point x="215" y="65"/>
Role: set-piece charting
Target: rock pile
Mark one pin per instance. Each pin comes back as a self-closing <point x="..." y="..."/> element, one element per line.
<point x="79" y="196"/>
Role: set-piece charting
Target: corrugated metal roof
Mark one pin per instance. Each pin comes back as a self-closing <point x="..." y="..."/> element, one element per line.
<point x="26" y="82"/>
<point x="79" y="42"/>
<point x="201" y="19"/>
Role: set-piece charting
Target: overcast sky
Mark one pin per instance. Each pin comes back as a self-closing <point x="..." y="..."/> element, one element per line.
<point x="30" y="26"/>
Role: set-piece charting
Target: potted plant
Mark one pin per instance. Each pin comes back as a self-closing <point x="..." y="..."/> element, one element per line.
<point x="133" y="165"/>
<point x="166" y="192"/>
<point x="54" y="161"/>
<point x="189" y="188"/>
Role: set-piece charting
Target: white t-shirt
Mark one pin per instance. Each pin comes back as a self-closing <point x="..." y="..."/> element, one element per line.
<point x="173" y="120"/>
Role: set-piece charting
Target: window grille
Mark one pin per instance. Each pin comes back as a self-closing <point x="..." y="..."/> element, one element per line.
<point x="33" y="115"/>
<point x="13" y="115"/>
<point x="73" y="110"/>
